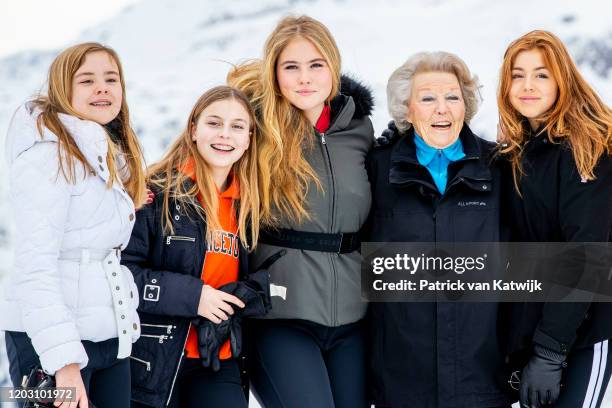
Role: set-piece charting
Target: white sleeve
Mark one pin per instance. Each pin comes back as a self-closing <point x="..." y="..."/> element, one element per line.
<point x="40" y="201"/>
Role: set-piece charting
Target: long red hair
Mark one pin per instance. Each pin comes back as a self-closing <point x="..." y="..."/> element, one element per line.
<point x="578" y="116"/>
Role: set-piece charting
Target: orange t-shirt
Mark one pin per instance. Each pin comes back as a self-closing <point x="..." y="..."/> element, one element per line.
<point x="221" y="261"/>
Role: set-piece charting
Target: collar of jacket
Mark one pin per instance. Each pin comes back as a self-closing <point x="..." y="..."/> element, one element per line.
<point x="472" y="170"/>
<point x="354" y="101"/>
<point x="90" y="137"/>
<point x="426" y="153"/>
<point x="114" y="129"/>
<point x="539" y="138"/>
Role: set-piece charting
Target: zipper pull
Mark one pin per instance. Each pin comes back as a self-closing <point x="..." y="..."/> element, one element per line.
<point x="168" y="239"/>
<point x="323" y="138"/>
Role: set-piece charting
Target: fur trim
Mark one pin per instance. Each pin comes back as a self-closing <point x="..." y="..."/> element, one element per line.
<point x="362" y="95"/>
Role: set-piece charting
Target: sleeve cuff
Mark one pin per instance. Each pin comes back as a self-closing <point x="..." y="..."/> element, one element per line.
<point x="62" y="355"/>
<point x="542" y="339"/>
<point x="197" y="291"/>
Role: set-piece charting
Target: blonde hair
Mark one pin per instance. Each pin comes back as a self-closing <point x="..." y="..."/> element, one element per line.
<point x="578" y="115"/>
<point x="284" y="172"/>
<point x="57" y="100"/>
<point x="399" y="87"/>
<point x="167" y="176"/>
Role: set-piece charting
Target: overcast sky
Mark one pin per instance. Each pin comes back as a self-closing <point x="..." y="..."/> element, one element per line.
<point x="43" y="24"/>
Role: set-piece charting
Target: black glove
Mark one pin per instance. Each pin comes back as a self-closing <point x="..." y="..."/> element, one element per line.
<point x="388" y="135"/>
<point x="211" y="337"/>
<point x="254" y="293"/>
<point x="256" y="303"/>
<point x="236" y="335"/>
<point x="255" y="290"/>
<point x="541" y="378"/>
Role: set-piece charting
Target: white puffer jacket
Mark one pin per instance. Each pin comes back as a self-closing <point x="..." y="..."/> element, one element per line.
<point x="67" y="284"/>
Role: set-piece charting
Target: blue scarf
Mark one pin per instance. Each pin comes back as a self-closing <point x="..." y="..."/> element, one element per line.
<point x="437" y="160"/>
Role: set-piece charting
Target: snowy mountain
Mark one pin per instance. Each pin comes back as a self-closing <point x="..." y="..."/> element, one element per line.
<point x="173" y="51"/>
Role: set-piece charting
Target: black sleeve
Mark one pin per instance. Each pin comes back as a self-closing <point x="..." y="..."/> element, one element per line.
<point x="162" y="292"/>
<point x="585" y="215"/>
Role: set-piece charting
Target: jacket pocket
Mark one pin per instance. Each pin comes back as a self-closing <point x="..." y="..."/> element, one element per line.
<point x="142" y="366"/>
<point x="179" y="238"/>
<point x="159" y="333"/>
<point x="147" y="364"/>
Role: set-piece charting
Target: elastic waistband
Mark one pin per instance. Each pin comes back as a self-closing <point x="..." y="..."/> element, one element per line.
<point x="85" y="255"/>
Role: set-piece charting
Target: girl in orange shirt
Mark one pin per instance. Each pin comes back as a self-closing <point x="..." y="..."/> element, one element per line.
<point x="188" y="254"/>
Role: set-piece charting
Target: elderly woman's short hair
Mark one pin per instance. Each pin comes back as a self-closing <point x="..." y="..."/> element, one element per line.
<point x="399" y="87"/>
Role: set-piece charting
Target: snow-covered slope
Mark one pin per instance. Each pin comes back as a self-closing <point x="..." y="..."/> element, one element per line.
<point x="173" y="51"/>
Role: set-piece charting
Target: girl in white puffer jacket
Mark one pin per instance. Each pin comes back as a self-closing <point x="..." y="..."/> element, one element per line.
<point x="69" y="306"/>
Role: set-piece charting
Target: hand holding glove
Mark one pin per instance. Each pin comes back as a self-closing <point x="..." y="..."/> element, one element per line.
<point x="541" y="378"/>
<point x="254" y="293"/>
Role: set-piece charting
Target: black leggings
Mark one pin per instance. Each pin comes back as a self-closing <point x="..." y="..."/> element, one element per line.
<point x="297" y="364"/>
<point x="201" y="387"/>
<point x="197" y="386"/>
<point x="106" y="378"/>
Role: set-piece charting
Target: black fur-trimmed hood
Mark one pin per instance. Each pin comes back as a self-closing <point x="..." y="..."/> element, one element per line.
<point x="361" y="94"/>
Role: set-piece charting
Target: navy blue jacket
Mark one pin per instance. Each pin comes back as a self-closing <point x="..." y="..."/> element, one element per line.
<point x="558" y="206"/>
<point x="167" y="271"/>
<point x="436" y="355"/>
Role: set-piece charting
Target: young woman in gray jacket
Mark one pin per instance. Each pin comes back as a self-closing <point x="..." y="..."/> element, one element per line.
<point x="315" y="195"/>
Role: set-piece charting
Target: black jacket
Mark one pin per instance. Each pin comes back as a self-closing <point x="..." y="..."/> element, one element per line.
<point x="430" y="355"/>
<point x="167" y="270"/>
<point x="558" y="206"/>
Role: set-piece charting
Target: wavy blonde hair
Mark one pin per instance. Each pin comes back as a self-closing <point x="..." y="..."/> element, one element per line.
<point x="578" y="116"/>
<point x="57" y="100"/>
<point x="285" y="174"/>
<point x="167" y="176"/>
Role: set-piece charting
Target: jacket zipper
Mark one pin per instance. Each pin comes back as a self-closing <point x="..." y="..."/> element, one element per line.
<point x="331" y="228"/>
<point x="178" y="367"/>
<point x="170" y="238"/>
<point x="160" y="337"/>
<point x="168" y="327"/>
<point x="146" y="363"/>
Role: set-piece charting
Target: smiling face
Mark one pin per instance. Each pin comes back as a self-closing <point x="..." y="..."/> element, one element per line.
<point x="96" y="88"/>
<point x="222" y="135"/>
<point x="436" y="108"/>
<point x="533" y="91"/>
<point x="304" y="77"/>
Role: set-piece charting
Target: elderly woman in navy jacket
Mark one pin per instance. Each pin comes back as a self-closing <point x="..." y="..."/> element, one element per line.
<point x="435" y="354"/>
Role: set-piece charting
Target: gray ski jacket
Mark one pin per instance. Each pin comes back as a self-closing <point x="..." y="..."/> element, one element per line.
<point x="325" y="287"/>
